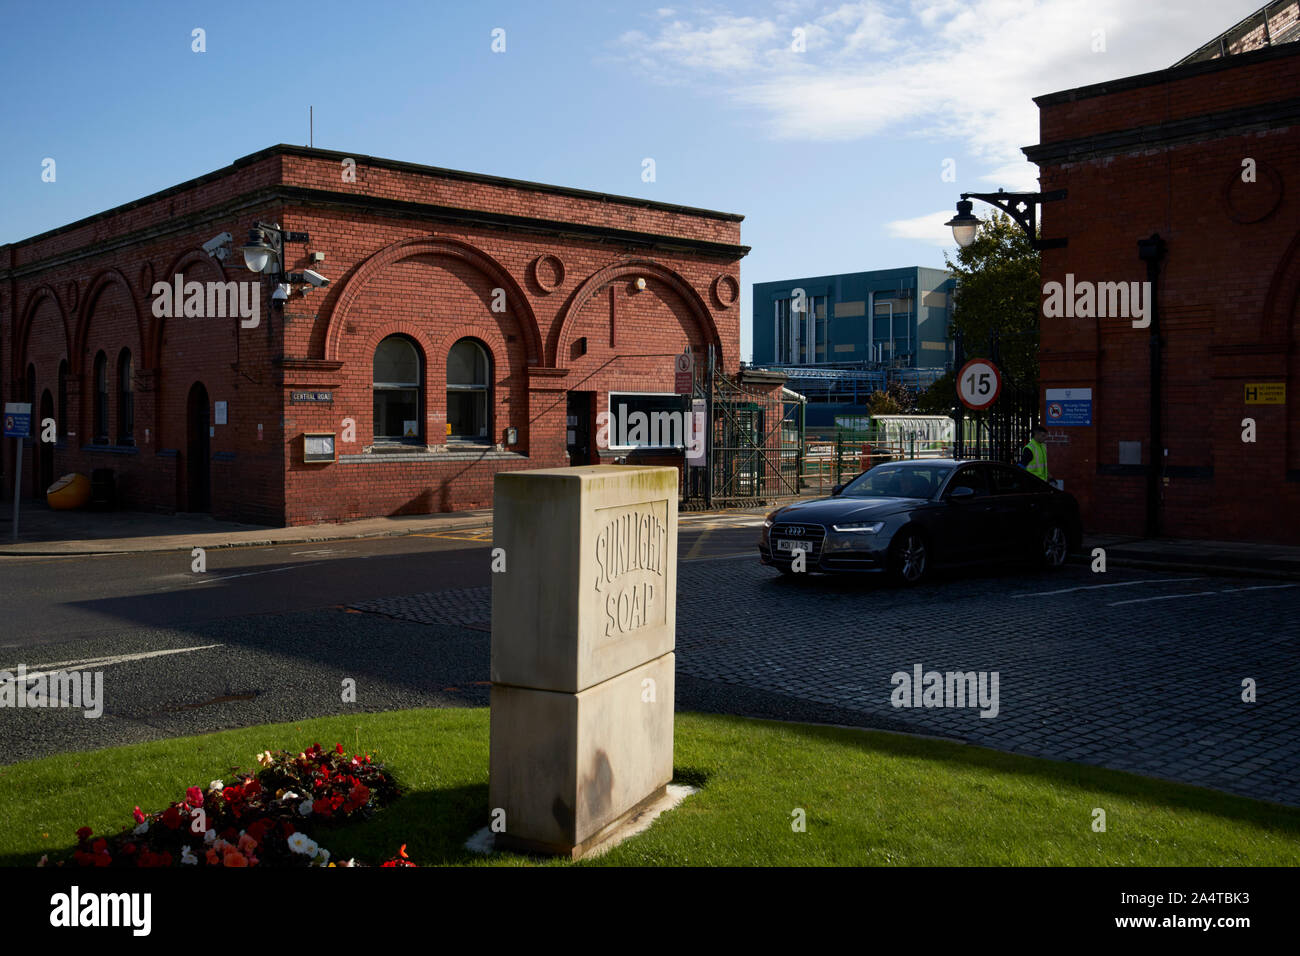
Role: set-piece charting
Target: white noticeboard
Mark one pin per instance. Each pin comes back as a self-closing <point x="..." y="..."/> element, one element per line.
<point x="695" y="450"/>
<point x="220" y="410"/>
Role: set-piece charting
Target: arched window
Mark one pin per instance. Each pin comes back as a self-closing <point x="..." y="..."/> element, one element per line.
<point x="63" y="399"/>
<point x="125" y="399"/>
<point x="397" y="391"/>
<point x="467" y="391"/>
<point x="101" y="400"/>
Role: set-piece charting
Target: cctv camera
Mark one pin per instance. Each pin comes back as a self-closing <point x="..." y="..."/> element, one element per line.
<point x="281" y="292"/>
<point x="216" y="246"/>
<point x="315" y="278"/>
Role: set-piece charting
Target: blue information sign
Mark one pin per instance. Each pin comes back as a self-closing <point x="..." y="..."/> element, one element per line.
<point x="18" y="419"/>
<point x="1069" y="406"/>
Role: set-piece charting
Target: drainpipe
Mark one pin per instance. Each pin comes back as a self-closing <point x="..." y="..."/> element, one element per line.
<point x="1152" y="251"/>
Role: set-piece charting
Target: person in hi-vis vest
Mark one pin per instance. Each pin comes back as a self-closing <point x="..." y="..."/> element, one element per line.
<point x="1034" y="456"/>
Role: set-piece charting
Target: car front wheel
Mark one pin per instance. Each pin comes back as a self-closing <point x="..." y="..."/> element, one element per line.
<point x="910" y="558"/>
<point x="1053" y="546"/>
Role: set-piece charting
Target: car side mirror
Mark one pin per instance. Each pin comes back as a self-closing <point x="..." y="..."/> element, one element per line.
<point x="836" y="490"/>
<point x="962" y="493"/>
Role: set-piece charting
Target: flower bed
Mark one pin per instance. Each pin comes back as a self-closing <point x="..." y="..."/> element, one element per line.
<point x="259" y="819"/>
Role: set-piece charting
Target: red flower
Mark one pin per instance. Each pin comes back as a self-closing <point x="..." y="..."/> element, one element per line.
<point x="138" y="814"/>
<point x="100" y="845"/>
<point x="171" y="818"/>
<point x="84" y="833"/>
<point x="193" y="796"/>
<point x="338" y="748"/>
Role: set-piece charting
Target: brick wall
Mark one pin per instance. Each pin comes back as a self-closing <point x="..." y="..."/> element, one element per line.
<point x="572" y="320"/>
<point x="1227" y="294"/>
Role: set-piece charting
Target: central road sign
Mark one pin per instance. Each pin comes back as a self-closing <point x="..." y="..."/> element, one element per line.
<point x="979" y="383"/>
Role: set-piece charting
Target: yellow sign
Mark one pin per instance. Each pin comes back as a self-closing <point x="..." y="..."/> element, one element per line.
<point x="1266" y="393"/>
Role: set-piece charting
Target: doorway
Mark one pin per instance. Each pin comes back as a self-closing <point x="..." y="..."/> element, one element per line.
<point x="44" y="470"/>
<point x="578" y="422"/>
<point x="198" y="473"/>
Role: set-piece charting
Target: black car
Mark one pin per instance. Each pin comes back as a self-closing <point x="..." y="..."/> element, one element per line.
<point x="906" y="517"/>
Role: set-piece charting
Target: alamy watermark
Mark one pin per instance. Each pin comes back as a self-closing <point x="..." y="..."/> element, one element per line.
<point x="1101" y="300"/>
<point x="53" y="689"/>
<point x="210" y="300"/>
<point x="952" y="689"/>
<point x="663" y="429"/>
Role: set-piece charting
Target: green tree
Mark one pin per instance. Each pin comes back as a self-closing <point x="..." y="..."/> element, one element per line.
<point x="895" y="399"/>
<point x="999" y="288"/>
<point x="940" y="398"/>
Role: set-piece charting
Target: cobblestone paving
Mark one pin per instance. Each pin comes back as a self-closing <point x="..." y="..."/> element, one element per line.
<point x="1095" y="674"/>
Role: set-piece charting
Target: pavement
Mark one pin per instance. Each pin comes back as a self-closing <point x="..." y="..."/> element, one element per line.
<point x="45" y="532"/>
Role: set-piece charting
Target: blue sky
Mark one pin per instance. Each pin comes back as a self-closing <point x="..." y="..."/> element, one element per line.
<point x="834" y="153"/>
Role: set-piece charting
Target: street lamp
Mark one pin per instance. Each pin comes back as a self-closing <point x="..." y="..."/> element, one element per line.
<point x="1021" y="207"/>
<point x="964" y="224"/>
<point x="265" y="249"/>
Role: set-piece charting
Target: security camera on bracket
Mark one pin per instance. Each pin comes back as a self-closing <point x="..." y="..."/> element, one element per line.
<point x="309" y="276"/>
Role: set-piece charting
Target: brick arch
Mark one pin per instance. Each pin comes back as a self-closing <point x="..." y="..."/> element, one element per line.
<point x="28" y="313"/>
<point x="97" y="285"/>
<point x="521" y="308"/>
<point x="695" y="304"/>
<point x="1282" y="302"/>
<point x="153" y="344"/>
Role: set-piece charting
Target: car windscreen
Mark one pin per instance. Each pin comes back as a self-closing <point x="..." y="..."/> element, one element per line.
<point x="905" y="480"/>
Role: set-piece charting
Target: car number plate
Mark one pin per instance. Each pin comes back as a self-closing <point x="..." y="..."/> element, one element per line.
<point x="784" y="544"/>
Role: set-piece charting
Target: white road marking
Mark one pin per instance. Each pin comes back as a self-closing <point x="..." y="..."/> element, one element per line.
<point x="210" y="579"/>
<point x="322" y="551"/>
<point x="90" y="663"/>
<point x="1175" y="597"/>
<point x="1093" y="587"/>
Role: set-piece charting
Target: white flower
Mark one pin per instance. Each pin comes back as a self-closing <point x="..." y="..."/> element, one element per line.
<point x="305" y="808"/>
<point x="348" y="863"/>
<point x="188" y="857"/>
<point x="210" y="837"/>
<point x="323" y="858"/>
<point x="44" y="860"/>
<point x="142" y="829"/>
<point x="216" y="785"/>
<point x="289" y="795"/>
<point x="299" y="843"/>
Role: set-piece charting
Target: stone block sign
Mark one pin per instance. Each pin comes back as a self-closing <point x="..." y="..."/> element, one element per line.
<point x="583" y="629"/>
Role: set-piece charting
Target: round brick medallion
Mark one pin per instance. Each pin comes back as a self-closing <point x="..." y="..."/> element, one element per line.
<point x="726" y="290"/>
<point x="548" y="272"/>
<point x="1249" y="202"/>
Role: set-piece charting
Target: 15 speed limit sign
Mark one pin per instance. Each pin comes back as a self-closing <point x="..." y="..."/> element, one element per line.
<point x="978" y="384"/>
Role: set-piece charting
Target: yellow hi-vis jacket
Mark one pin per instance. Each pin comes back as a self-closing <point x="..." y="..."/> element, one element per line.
<point x="1038" y="463"/>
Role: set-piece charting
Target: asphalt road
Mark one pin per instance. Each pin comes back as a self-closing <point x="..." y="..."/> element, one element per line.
<point x="263" y="635"/>
<point x="1136" y="670"/>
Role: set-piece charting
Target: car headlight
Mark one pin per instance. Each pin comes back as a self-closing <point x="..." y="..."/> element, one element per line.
<point x="863" y="527"/>
<point x="767" y="522"/>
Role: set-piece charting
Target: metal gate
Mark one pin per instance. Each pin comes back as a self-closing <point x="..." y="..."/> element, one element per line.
<point x="755" y="442"/>
<point x="1000" y="432"/>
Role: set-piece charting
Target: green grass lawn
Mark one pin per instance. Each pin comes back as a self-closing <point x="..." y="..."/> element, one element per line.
<point x="869" y="798"/>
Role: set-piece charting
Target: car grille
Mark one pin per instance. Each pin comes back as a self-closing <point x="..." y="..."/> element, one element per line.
<point x="812" y="534"/>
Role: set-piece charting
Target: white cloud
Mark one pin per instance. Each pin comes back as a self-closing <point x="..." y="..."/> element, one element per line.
<point x="929" y="228"/>
<point x="963" y="70"/>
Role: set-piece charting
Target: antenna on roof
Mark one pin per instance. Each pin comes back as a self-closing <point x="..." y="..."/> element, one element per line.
<point x="311" y="123"/>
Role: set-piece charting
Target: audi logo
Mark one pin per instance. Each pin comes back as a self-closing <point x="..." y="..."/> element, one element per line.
<point x="794" y="529"/>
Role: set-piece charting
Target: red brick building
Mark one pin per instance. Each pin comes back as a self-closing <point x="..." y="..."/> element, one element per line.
<point x="471" y="324"/>
<point x="1207" y="156"/>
